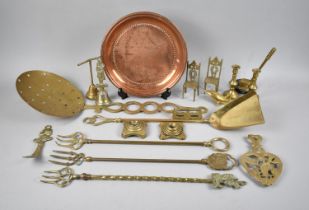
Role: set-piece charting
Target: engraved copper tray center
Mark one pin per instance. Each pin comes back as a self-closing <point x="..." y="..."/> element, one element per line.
<point x="144" y="54"/>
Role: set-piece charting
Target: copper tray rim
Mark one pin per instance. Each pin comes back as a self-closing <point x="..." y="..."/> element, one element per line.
<point x="174" y="79"/>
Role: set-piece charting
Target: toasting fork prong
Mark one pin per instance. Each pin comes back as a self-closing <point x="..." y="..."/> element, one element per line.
<point x="62" y="177"/>
<point x="64" y="152"/>
<point x="61" y="157"/>
<point x="65" y="140"/>
<point x="61" y="163"/>
<point x="73" y="141"/>
<point x="72" y="135"/>
<point x="72" y="157"/>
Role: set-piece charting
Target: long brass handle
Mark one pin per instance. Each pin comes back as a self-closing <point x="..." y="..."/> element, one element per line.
<point x="271" y="52"/>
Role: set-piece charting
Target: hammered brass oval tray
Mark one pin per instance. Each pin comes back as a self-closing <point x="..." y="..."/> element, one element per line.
<point x="144" y="54"/>
<point x="50" y="93"/>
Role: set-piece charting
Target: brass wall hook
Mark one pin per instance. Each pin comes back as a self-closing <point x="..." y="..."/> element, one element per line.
<point x="263" y="167"/>
<point x="76" y="140"/>
<point x="65" y="176"/>
<point x="44" y="136"/>
<point x="216" y="161"/>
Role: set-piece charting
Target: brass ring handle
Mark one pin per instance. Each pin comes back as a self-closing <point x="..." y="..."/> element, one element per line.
<point x="212" y="144"/>
<point x="167" y="104"/>
<point x="114" y="110"/>
<point x="233" y="161"/>
<point x="130" y="103"/>
<point x="151" y="103"/>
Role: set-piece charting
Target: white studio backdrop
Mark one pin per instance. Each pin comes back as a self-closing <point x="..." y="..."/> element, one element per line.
<point x="56" y="35"/>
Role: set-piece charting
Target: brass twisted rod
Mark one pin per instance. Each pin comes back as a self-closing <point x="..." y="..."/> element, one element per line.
<point x="65" y="176"/>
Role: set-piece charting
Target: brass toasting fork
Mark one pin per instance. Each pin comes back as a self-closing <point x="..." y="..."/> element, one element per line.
<point x="216" y="161"/>
<point x="65" y="176"/>
<point x="77" y="140"/>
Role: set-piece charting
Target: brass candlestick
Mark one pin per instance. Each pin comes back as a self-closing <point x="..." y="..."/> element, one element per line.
<point x="228" y="95"/>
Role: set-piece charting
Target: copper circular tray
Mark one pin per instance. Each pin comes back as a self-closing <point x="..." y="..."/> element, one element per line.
<point x="144" y="54"/>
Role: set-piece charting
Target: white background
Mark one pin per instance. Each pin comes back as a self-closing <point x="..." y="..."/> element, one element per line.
<point x="56" y="35"/>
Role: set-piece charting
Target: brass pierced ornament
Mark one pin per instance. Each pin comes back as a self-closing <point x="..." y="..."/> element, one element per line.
<point x="134" y="128"/>
<point x="263" y="167"/>
<point x="172" y="130"/>
<point x="65" y="176"/>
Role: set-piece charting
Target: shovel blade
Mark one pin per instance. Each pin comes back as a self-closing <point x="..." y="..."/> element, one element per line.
<point x="242" y="112"/>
